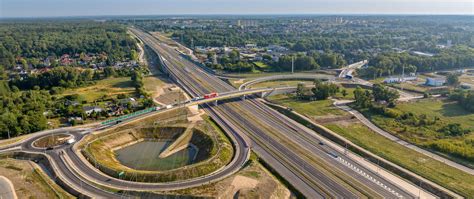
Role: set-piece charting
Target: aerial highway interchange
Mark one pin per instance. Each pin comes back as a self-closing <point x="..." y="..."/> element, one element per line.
<point x="312" y="164"/>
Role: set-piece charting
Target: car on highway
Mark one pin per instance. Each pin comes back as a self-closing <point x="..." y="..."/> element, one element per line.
<point x="196" y="99"/>
<point x="70" y="141"/>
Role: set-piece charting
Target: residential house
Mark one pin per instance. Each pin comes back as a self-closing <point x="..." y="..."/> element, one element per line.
<point x="90" y="109"/>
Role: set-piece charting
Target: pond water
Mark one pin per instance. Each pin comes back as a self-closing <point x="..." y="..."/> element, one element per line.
<point x="144" y="156"/>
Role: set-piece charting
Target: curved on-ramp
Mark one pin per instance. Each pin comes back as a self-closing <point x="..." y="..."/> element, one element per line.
<point x="285" y="77"/>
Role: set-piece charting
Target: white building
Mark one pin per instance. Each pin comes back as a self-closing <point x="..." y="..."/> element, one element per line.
<point x="391" y="80"/>
<point x="90" y="109"/>
<point x="435" y="81"/>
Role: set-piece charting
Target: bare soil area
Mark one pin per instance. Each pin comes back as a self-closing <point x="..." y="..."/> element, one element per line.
<point x="253" y="181"/>
<point x="29" y="181"/>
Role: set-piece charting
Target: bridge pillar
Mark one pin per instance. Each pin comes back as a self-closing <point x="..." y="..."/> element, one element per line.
<point x="215" y="103"/>
<point x="243" y="97"/>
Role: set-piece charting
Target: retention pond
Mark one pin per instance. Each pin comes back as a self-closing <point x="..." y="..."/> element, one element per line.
<point x="144" y="156"/>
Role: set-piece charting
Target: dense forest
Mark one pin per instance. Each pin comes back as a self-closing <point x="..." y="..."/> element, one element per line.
<point x="35" y="41"/>
<point x="30" y="89"/>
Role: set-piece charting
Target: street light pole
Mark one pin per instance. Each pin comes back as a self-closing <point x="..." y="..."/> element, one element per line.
<point x="292" y="64"/>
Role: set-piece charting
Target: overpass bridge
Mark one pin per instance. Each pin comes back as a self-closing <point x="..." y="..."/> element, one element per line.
<point x="195" y="102"/>
<point x="286" y="77"/>
<point x="348" y="70"/>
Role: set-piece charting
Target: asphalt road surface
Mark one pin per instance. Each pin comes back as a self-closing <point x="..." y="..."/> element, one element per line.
<point x="287" y="146"/>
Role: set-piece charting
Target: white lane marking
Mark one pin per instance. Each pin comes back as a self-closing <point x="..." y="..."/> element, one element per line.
<point x="369" y="177"/>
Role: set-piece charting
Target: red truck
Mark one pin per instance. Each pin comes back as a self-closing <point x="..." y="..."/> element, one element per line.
<point x="210" y="95"/>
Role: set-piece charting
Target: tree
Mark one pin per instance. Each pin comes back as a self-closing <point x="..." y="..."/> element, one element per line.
<point x="344" y="93"/>
<point x="464" y="99"/>
<point x="453" y="129"/>
<point x="452" y="79"/>
<point x="300" y="89"/>
<point x="234" y="56"/>
<point x="109" y="72"/>
<point x="137" y="80"/>
<point x="322" y="90"/>
<point x="24" y="63"/>
<point x="382" y="93"/>
<point x="363" y="98"/>
<point x="305" y="63"/>
<point x="134" y="55"/>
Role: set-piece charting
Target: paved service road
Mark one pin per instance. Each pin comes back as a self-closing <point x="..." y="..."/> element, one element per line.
<point x="317" y="170"/>
<point x="288" y="147"/>
<point x="386" y="134"/>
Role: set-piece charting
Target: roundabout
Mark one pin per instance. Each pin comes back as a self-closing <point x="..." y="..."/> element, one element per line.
<point x="53" y="141"/>
<point x="70" y="169"/>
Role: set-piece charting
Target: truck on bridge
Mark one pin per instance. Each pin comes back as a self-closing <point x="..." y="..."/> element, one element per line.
<point x="211" y="95"/>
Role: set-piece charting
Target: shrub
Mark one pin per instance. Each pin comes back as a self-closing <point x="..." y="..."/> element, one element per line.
<point x="453" y="129"/>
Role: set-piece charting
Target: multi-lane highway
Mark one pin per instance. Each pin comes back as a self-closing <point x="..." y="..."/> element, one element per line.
<point x="79" y="175"/>
<point x="293" y="150"/>
<point x="316" y="169"/>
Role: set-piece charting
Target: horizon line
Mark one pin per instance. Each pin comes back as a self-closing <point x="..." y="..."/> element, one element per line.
<point x="241" y="14"/>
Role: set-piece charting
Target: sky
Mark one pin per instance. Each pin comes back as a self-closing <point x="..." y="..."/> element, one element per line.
<point x="52" y="8"/>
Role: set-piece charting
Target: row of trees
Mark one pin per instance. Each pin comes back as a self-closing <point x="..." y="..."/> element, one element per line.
<point x="232" y="63"/>
<point x="380" y="93"/>
<point x="313" y="60"/>
<point x="320" y="91"/>
<point x="69" y="77"/>
<point x="66" y="77"/>
<point x="394" y="63"/>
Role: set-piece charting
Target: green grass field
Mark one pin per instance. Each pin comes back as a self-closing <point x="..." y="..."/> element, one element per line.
<point x="460" y="148"/>
<point x="107" y="87"/>
<point x="275" y="84"/>
<point x="151" y="83"/>
<point x="261" y="65"/>
<point x="361" y="135"/>
<point x="309" y="108"/>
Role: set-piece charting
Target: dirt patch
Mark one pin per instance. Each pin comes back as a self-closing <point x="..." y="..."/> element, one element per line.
<point x="196" y="117"/>
<point x="240" y="185"/>
<point x="253" y="181"/>
<point x="170" y="94"/>
<point x="29" y="181"/>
